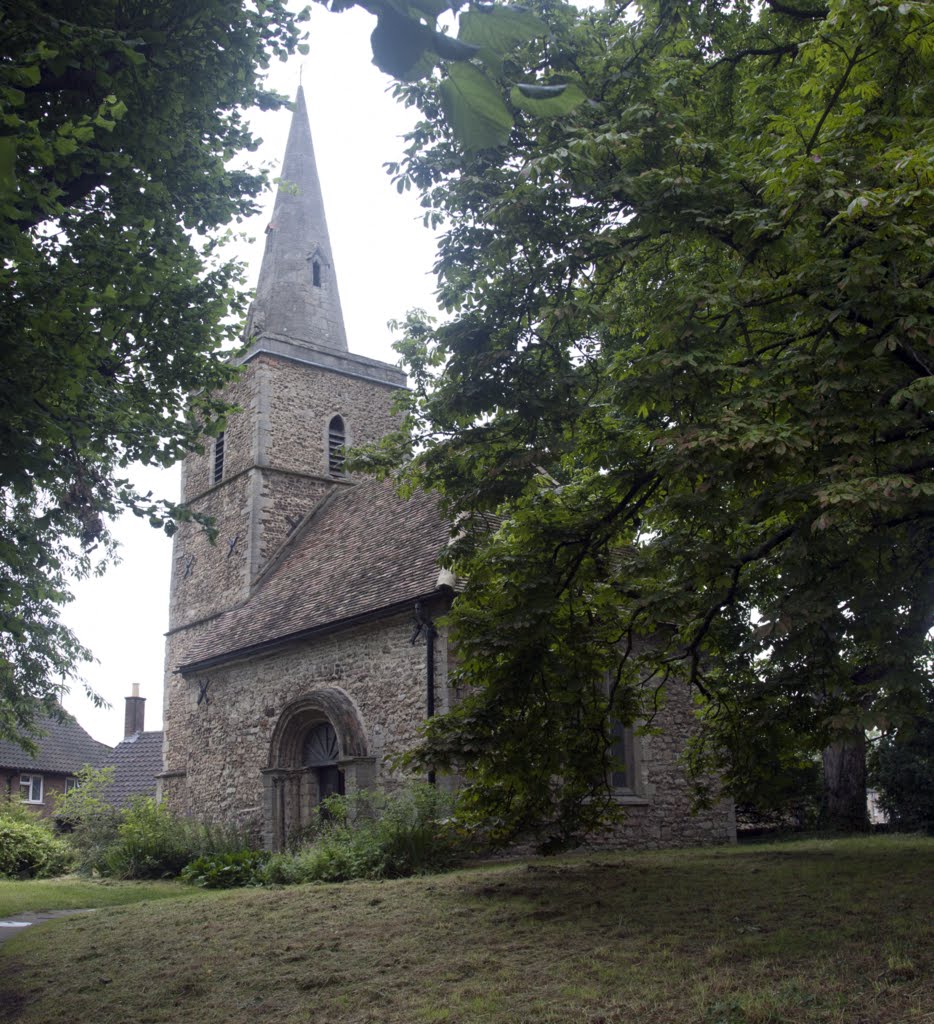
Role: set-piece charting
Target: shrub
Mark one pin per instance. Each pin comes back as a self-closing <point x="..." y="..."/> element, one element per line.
<point x="88" y="820"/>
<point x="28" y="849"/>
<point x="901" y="767"/>
<point x="12" y="807"/>
<point x="152" y="842"/>
<point x="372" y="835"/>
<point x="226" y="870"/>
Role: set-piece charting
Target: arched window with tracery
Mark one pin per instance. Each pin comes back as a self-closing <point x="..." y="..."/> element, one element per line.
<point x="337" y="438"/>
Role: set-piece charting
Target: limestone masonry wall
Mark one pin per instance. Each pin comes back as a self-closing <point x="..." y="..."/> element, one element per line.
<point x="222" y="744"/>
<point x="275" y="472"/>
<point x="208" y="578"/>
<point x="285" y="500"/>
<point x="198" y="468"/>
<point x="306" y="399"/>
<point x="659" y="815"/>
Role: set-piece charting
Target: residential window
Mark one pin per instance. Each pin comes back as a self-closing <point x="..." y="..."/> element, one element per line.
<point x="30" y="789"/>
<point x="219" y="457"/>
<point x="71" y="784"/>
<point x="337" y="438"/>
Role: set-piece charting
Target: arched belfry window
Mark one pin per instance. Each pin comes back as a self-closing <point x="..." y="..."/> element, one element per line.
<point x="219" y="457"/>
<point x="337" y="438"/>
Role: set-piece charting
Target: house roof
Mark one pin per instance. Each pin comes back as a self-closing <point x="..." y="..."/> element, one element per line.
<point x="137" y="761"/>
<point x="65" y="748"/>
<point x="362" y="550"/>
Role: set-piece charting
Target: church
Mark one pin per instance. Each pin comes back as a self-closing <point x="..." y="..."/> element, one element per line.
<point x="295" y="666"/>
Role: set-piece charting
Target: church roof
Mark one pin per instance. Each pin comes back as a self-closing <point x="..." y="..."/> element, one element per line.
<point x="65" y="748"/>
<point x="362" y="551"/>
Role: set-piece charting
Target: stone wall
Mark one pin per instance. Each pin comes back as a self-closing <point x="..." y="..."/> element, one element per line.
<point x="659" y="813"/>
<point x="275" y="472"/>
<point x="219" y="748"/>
<point x="306" y="400"/>
<point x="222" y="745"/>
<point x="198" y="467"/>
<point x="207" y="577"/>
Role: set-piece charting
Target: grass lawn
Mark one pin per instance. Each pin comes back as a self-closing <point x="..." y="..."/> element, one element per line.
<point x="72" y="893"/>
<point x="800" y="933"/>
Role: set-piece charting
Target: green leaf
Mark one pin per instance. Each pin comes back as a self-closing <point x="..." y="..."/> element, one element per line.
<point x="500" y="29"/>
<point x="431" y="8"/>
<point x="474" y="108"/>
<point x="7" y="165"/>
<point x="547" y="100"/>
<point x="453" y="49"/>
<point x="401" y="45"/>
<point x="28" y="75"/>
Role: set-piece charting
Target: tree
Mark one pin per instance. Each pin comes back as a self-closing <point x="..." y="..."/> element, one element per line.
<point x="118" y="122"/>
<point x="901" y="765"/>
<point x="687" y="378"/>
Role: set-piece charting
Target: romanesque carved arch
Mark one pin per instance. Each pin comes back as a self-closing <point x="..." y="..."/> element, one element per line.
<point x="324" y="705"/>
<point x="291" y="789"/>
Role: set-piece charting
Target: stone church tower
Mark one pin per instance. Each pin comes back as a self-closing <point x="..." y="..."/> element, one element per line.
<point x="302" y="397"/>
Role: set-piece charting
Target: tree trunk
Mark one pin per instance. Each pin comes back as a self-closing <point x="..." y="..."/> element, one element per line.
<point x="844" y="803"/>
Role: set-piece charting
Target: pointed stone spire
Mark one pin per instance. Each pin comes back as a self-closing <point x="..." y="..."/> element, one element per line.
<point x="296" y="296"/>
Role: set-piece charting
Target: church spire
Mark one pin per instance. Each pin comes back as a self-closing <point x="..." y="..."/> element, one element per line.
<point x="296" y="296"/>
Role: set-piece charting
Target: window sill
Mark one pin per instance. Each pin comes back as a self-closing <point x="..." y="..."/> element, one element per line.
<point x="631" y="800"/>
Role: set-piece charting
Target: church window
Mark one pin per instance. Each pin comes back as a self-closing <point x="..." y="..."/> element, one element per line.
<point x="316" y="273"/>
<point x="219" y="457"/>
<point x="622" y="776"/>
<point x="337" y="438"/>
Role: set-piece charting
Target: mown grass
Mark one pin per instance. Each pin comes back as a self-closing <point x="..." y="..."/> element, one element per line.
<point x="70" y="893"/>
<point x="810" y="933"/>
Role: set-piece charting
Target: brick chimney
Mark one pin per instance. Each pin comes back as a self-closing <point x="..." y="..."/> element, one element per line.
<point x="135" y="714"/>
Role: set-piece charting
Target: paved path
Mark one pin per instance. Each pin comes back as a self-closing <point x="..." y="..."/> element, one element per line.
<point x="11" y="926"/>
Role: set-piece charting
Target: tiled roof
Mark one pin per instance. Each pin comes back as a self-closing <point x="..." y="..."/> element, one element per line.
<point x="364" y="549"/>
<point x="137" y="761"/>
<point x="65" y="748"/>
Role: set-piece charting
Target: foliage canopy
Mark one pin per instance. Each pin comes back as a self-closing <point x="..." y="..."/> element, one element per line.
<point x="118" y="122"/>
<point x="688" y="370"/>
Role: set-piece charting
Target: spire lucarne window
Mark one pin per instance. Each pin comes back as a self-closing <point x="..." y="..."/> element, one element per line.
<point x="337" y="438"/>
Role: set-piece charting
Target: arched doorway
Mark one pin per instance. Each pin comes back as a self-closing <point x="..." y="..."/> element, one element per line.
<point x="318" y="747"/>
<point x="321" y="756"/>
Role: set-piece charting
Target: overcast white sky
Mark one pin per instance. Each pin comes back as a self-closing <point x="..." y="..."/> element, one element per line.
<point x="382" y="256"/>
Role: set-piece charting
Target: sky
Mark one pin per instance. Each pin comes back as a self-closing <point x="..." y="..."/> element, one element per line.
<point x="382" y="257"/>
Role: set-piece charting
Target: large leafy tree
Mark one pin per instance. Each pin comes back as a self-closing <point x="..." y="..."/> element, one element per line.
<point x="687" y="379"/>
<point x="118" y="121"/>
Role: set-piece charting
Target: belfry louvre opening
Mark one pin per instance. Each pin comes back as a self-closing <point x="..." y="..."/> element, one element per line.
<point x="337" y="438"/>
